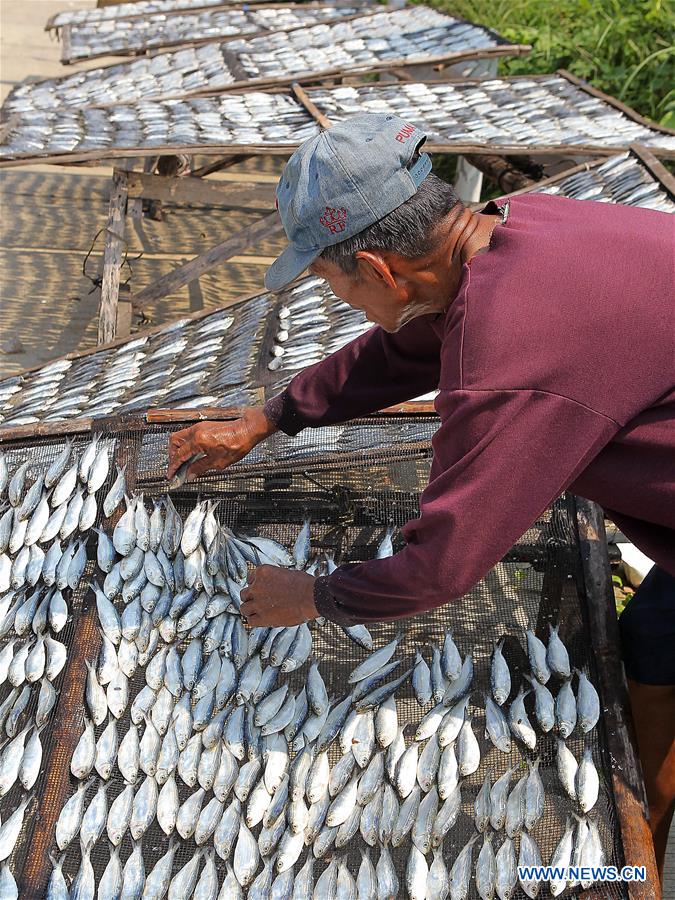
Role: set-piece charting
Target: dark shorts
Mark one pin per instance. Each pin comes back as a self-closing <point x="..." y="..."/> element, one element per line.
<point x="647" y="627"/>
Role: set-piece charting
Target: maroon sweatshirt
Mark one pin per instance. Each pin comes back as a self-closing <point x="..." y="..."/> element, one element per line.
<point x="555" y="364"/>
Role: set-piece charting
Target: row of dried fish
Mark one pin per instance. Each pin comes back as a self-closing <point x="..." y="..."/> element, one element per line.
<point x="619" y="180"/>
<point x="188" y="363"/>
<point x="129" y="36"/>
<point x="254" y="118"/>
<point x="312" y="323"/>
<point x="123" y="11"/>
<point x="544" y="111"/>
<point x="416" y="31"/>
<point x="413" y="33"/>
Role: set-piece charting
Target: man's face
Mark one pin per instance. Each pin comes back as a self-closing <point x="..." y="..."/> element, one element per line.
<point x="382" y="300"/>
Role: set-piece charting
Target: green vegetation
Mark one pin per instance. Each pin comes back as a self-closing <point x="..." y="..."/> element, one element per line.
<point x="623" y="47"/>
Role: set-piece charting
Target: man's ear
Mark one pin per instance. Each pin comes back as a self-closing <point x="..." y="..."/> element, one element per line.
<point x="373" y="268"/>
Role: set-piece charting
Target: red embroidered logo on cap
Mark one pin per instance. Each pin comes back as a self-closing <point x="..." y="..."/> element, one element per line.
<point x="405" y="132"/>
<point x="334" y="220"/>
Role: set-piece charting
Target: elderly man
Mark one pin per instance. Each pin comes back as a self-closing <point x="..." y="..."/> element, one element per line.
<point x="547" y="327"/>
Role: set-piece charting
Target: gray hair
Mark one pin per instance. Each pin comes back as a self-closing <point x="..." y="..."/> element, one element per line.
<point x="408" y="230"/>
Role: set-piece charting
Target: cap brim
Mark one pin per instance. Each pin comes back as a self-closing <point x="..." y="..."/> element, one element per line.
<point x="288" y="266"/>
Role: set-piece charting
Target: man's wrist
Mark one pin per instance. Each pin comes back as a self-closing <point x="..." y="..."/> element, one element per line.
<point x="326" y="605"/>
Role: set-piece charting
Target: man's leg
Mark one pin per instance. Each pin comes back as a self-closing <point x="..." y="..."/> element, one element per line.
<point x="647" y="628"/>
<point x="654" y="717"/>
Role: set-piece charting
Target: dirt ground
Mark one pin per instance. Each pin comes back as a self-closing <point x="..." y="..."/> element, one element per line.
<point x="48" y="216"/>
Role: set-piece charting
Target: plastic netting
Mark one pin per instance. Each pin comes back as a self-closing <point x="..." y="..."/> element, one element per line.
<point x="350" y="498"/>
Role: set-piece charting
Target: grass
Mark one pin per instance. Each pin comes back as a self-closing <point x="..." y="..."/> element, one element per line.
<point x="622" y="47"/>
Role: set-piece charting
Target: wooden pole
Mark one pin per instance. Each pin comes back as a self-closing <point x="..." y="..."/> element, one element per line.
<point x="500" y="170"/>
<point x="627" y="782"/>
<point x="112" y="258"/>
<point x="186" y="189"/>
<point x="199" y="265"/>
<point x="322" y="120"/>
<point x="220" y="164"/>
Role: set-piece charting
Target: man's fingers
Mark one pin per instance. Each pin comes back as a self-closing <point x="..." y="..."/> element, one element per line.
<point x="180" y="450"/>
<point x="202" y="465"/>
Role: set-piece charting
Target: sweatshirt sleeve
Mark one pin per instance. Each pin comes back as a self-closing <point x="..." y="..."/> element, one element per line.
<point x="372" y="372"/>
<point x="500" y="458"/>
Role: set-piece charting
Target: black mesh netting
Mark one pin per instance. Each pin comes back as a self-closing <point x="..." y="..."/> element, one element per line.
<point x="352" y="489"/>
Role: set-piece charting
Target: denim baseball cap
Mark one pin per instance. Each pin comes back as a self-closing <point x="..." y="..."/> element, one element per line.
<point x="342" y="181"/>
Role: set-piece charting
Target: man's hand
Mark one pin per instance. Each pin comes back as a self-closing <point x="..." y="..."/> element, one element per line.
<point x="277" y="596"/>
<point x="222" y="443"/>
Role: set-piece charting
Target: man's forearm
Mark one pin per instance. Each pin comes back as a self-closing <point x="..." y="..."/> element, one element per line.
<point x="374" y="371"/>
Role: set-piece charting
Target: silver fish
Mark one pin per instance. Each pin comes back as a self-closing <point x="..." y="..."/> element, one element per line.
<point x="386" y="722"/>
<point x="70" y="817"/>
<point x="507" y="872"/>
<point x="460" y="873"/>
<point x="106" y="750"/>
<point x="168" y="805"/>
<point x="158" y="880"/>
<point x="342" y="806"/>
<point x="84" y="885"/>
<point x="144" y="808"/>
<point x="424" y="822"/>
<point x="363" y="738"/>
<point x="64" y="487"/>
<point x="515" y="808"/>
<point x="376" y="660"/>
<point x="246" y="856"/>
<point x="117" y="693"/>
<point x="536" y="651"/>
<point x="369" y="820"/>
<point x="84" y="754"/>
<point x="188" y="813"/>
<point x="438" y="880"/>
<point x="46" y="701"/>
<point x="468" y="751"/>
<point x="566" y="709"/>
<point x="529" y="855"/>
<point x="58" y="466"/>
<point x="17" y="482"/>
<point x="557" y="657"/>
<point x="31" y="499"/>
<point x="430" y="722"/>
<point x="124" y="533"/>
<point x="110" y="884"/>
<point x="544" y="704"/>
<point x="486" y="869"/>
<point x="519" y="722"/>
<point x="498" y="796"/>
<point x="462" y="685"/>
<point x="57" y="889"/>
<point x="482" y="806"/>
<point x="95" y="695"/>
<point x="94" y="818"/>
<point x="588" y="703"/>
<point x="452" y="722"/>
<point x="587" y="782"/>
<point x="119" y="815"/>
<point x="227" y="831"/>
<point x="99" y="471"/>
<point x="184" y="881"/>
<point x="496" y="726"/>
<point x="448" y="772"/>
<point x="567" y="769"/>
<point x="451" y="660"/>
<point x="561" y="859"/>
<point x="500" y="676"/>
<point x="11" y="828"/>
<point x="387" y="881"/>
<point x="534" y="796"/>
<point x="359" y="634"/>
<point x="406" y="771"/>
